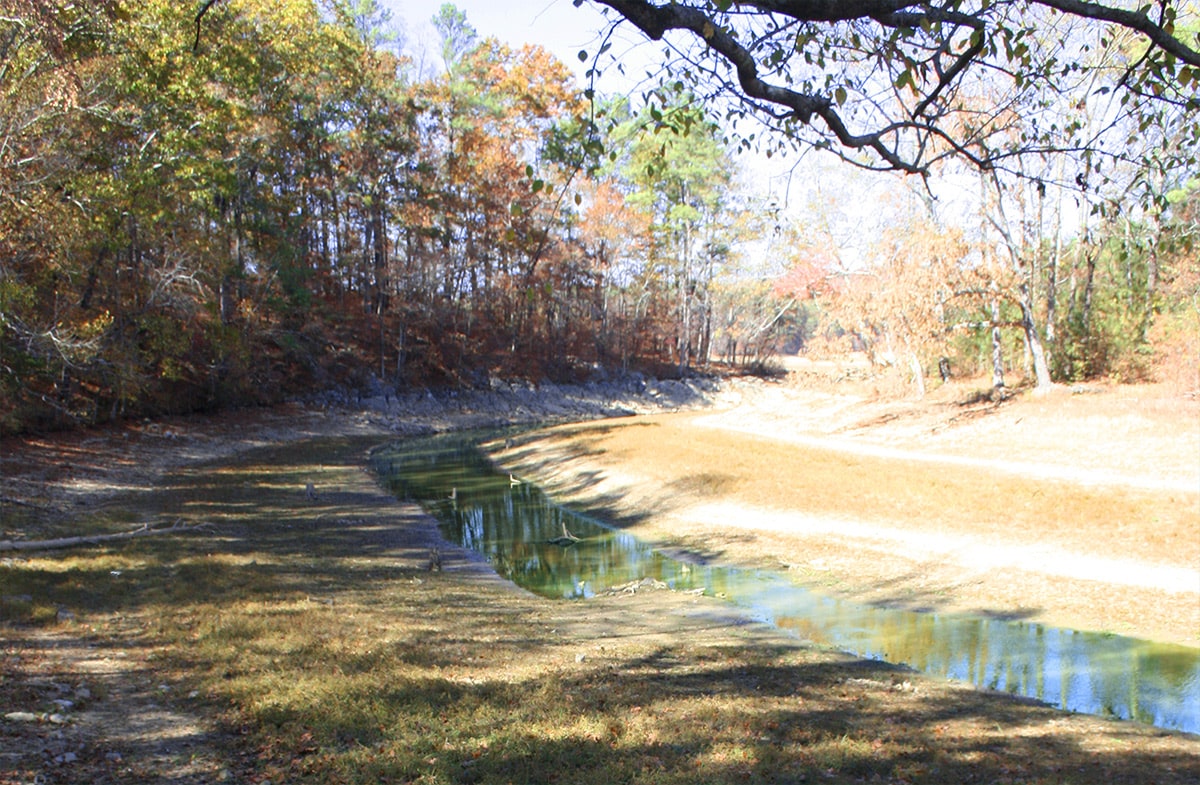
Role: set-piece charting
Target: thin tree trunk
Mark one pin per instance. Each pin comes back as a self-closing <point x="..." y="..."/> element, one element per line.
<point x="1151" y="293"/>
<point x="1041" y="370"/>
<point x="997" y="349"/>
<point x="1089" y="287"/>
<point x="918" y="373"/>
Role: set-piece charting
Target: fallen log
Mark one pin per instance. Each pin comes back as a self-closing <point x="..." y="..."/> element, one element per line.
<point x="95" y="539"/>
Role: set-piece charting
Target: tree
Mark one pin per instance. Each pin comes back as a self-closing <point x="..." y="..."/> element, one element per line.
<point x="614" y="239"/>
<point x="892" y="84"/>
<point x="680" y="172"/>
<point x="458" y="35"/>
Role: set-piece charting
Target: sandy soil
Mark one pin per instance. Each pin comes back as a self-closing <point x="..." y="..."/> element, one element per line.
<point x="1141" y="442"/>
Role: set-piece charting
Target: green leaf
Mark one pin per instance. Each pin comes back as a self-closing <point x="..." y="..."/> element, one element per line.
<point x="583" y="55"/>
<point x="537" y="185"/>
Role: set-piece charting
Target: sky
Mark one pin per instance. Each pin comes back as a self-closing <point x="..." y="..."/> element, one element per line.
<point x="564" y="29"/>
<point x="556" y="25"/>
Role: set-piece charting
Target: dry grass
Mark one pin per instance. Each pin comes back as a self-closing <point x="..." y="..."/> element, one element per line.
<point x="320" y="648"/>
<point x="689" y="462"/>
<point x="721" y="486"/>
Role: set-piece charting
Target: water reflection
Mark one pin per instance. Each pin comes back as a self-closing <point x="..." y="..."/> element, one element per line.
<point x="515" y="527"/>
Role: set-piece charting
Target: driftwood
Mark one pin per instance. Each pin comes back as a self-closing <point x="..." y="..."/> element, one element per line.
<point x="95" y="539"/>
<point x="566" y="540"/>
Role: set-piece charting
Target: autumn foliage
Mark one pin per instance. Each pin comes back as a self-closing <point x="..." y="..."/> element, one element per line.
<point x="283" y="202"/>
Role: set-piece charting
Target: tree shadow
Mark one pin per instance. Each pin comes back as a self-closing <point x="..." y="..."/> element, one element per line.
<point x="683" y="712"/>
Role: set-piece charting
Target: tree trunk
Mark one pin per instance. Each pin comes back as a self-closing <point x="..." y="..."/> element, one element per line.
<point x="1041" y="370"/>
<point x="1151" y="293"/>
<point x="1089" y="288"/>
<point x="997" y="349"/>
<point x="918" y="373"/>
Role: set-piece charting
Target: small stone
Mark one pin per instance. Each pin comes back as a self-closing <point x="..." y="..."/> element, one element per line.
<point x="64" y="615"/>
<point x="112" y="757"/>
<point x="57" y="719"/>
<point x="581" y="657"/>
<point x="63" y="703"/>
<point x="21" y="716"/>
<point x="83" y="693"/>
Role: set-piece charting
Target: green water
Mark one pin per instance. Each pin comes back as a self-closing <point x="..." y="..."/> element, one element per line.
<point x="520" y="532"/>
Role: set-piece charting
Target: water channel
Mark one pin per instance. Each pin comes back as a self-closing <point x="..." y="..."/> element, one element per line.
<point x="514" y="526"/>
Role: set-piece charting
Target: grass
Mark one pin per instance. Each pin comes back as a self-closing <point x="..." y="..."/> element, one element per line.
<point x="647" y="473"/>
<point x="317" y="639"/>
<point x="697" y="462"/>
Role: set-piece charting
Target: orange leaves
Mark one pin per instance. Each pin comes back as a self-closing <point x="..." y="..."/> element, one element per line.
<point x="810" y="273"/>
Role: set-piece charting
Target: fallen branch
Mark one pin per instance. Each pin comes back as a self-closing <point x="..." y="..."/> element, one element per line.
<point x="95" y="539"/>
<point x="22" y="503"/>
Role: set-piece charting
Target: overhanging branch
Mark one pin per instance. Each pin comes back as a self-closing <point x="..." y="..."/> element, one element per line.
<point x="655" y="21"/>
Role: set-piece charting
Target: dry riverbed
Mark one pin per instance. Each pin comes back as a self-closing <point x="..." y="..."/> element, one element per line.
<point x="326" y="634"/>
<point x="1074" y="509"/>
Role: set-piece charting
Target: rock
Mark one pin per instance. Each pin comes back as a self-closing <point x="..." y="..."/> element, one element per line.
<point x="21" y="716"/>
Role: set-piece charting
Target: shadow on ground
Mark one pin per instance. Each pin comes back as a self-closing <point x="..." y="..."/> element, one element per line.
<point x="331" y="635"/>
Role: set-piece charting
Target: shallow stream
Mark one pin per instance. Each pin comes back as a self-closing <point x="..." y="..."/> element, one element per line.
<point x="562" y="554"/>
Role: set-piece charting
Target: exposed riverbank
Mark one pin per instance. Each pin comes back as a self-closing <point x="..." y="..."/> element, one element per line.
<point x="934" y="506"/>
<point x="48" y="477"/>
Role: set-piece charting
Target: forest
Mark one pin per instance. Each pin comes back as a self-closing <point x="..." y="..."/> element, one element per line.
<point x="214" y="204"/>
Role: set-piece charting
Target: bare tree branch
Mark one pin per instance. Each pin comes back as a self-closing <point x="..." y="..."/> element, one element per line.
<point x="1134" y="20"/>
<point x="208" y="4"/>
<point x="923" y="48"/>
<point x="96" y="539"/>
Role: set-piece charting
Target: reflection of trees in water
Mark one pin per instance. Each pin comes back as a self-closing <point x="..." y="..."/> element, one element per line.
<point x="511" y="526"/>
<point x="1073" y="670"/>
